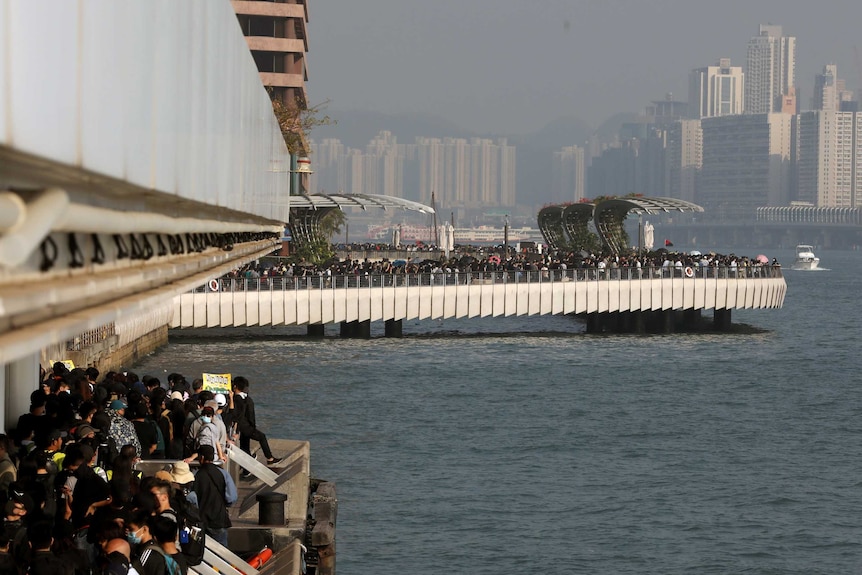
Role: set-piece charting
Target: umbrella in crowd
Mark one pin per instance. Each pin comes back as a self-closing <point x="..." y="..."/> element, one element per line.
<point x="467" y="259"/>
<point x="399" y="263"/>
<point x="494" y="259"/>
<point x="694" y="253"/>
<point x="762" y="259"/>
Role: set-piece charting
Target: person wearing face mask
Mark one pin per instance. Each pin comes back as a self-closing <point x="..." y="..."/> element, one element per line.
<point x="206" y="432"/>
<point x="153" y="559"/>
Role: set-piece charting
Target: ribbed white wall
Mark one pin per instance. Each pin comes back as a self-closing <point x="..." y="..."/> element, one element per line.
<point x="134" y="327"/>
<point x="311" y="306"/>
<point x="159" y="93"/>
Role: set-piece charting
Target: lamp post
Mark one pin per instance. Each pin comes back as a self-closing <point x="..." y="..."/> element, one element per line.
<point x="506" y="236"/>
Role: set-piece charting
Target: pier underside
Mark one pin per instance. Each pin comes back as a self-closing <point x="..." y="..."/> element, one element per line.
<point x="657" y="321"/>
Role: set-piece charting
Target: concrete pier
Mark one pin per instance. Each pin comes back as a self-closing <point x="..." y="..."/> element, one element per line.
<point x="721" y="320"/>
<point x="348" y="299"/>
<point x="316" y="330"/>
<point x="393" y="328"/>
<point x="356" y="329"/>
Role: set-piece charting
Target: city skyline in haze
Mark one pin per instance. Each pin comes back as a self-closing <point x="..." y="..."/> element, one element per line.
<point x="506" y="67"/>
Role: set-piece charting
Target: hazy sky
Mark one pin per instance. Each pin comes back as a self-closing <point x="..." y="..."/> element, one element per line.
<point x="512" y="66"/>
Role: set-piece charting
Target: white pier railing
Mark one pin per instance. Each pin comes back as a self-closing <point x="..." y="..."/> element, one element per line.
<point x="317" y="299"/>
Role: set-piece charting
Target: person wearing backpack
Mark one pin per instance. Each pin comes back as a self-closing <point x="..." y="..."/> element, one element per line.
<point x="206" y="431"/>
<point x="211" y="489"/>
<point x="154" y="560"/>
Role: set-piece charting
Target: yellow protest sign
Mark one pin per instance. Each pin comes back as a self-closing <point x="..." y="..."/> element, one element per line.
<point x="70" y="365"/>
<point x="217" y="382"/>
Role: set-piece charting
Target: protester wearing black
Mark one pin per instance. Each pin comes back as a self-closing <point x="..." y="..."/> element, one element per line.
<point x="245" y="420"/>
<point x="211" y="489"/>
<point x="44" y="561"/>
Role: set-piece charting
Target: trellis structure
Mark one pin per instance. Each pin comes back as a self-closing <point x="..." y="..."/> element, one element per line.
<point x="306" y="211"/>
<point x="567" y="227"/>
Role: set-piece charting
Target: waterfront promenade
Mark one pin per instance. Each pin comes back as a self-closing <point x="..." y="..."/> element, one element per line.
<point x="597" y="294"/>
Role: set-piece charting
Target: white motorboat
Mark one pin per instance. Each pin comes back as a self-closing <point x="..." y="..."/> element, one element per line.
<point x="805" y="258"/>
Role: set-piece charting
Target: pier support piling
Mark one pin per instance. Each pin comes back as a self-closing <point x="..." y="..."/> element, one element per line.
<point x="393" y="328"/>
<point x="721" y="320"/>
<point x="363" y="329"/>
<point x="691" y="318"/>
<point x="347" y="329"/>
<point x="316" y="330"/>
<point x="356" y="329"/>
<point x="667" y="320"/>
<point x="639" y="322"/>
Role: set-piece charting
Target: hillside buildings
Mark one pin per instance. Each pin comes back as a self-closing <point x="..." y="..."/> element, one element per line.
<point x="738" y="144"/>
<point x="462" y="173"/>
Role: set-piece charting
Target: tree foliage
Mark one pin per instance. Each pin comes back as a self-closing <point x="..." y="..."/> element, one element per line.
<point x="331" y="223"/>
<point x="297" y="120"/>
<point x="316" y="251"/>
<point x="319" y="249"/>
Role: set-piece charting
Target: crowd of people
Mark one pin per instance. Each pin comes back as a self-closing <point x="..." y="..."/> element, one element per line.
<point x="543" y="265"/>
<point x="73" y="497"/>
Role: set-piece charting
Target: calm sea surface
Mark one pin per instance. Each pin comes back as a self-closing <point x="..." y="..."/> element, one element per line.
<point x="523" y="445"/>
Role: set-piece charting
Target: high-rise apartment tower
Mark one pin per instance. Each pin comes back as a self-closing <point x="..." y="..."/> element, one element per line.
<point x="770" y="75"/>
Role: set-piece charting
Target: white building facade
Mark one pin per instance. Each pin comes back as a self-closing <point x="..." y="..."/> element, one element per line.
<point x="829" y="158"/>
<point x="716" y="90"/>
<point x="770" y="72"/>
<point x="685" y="159"/>
<point x="567" y="175"/>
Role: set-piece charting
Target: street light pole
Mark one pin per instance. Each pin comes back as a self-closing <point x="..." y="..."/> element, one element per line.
<point x="506" y="236"/>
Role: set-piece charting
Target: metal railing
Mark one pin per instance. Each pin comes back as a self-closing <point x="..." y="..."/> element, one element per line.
<point x="91" y="337"/>
<point x="286" y="283"/>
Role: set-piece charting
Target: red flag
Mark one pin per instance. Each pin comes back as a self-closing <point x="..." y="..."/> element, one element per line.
<point x="668" y="243"/>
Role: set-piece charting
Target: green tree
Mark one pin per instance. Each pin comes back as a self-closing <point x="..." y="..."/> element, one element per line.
<point x="319" y="248"/>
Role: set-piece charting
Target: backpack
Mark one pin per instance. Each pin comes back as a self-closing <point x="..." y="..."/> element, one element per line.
<point x="191" y="532"/>
<point x="160" y="438"/>
<point x="166" y="415"/>
<point x="188" y="438"/>
<point x="201" y="436"/>
<point x="171" y="564"/>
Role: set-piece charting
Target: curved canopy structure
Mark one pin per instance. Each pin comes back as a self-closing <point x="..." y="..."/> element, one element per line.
<point x="306" y="211"/>
<point x="576" y="220"/>
<point x="551" y="226"/>
<point x="567" y="226"/>
<point x="364" y="201"/>
<point x="642" y="205"/>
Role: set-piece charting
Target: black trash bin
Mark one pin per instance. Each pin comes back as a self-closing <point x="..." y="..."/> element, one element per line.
<point x="271" y="508"/>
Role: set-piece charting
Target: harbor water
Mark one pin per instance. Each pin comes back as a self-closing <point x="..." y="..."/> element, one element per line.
<point x="523" y="445"/>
